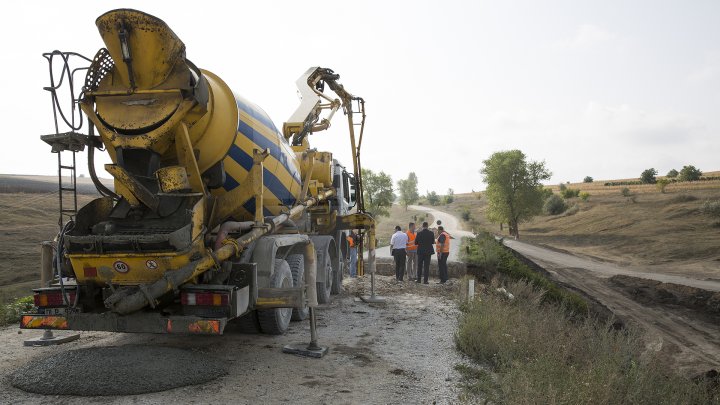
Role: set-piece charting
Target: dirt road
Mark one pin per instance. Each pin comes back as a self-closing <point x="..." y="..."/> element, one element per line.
<point x="693" y="343"/>
<point x="451" y="225"/>
<point x="402" y="352"/>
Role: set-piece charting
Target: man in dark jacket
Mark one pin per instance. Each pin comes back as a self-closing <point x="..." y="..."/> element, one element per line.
<point x="425" y="240"/>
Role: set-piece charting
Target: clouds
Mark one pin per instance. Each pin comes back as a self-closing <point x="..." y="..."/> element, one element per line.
<point x="587" y="35"/>
<point x="708" y="72"/>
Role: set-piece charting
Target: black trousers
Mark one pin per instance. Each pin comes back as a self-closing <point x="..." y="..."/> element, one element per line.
<point x="423" y="269"/>
<point x="442" y="266"/>
<point x="400" y="257"/>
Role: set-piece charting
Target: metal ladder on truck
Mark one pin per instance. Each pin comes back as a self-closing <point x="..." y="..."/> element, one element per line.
<point x="70" y="141"/>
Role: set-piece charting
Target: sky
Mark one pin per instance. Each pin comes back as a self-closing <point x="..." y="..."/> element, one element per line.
<point x="593" y="88"/>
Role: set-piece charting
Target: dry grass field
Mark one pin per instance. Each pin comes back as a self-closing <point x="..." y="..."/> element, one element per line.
<point x="666" y="231"/>
<point x="28" y="216"/>
<point x="398" y="216"/>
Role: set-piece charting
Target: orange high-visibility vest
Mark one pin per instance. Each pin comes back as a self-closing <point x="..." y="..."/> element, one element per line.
<point x="351" y="241"/>
<point x="443" y="247"/>
<point x="411" y="246"/>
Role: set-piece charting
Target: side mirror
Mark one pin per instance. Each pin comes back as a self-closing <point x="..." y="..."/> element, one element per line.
<point x="352" y="190"/>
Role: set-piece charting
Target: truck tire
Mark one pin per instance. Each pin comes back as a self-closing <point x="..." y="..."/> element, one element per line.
<point x="297" y="268"/>
<point x="338" y="275"/>
<point x="324" y="277"/>
<point x="275" y="321"/>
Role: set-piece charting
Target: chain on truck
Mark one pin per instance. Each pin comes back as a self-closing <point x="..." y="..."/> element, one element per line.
<point x="216" y="217"/>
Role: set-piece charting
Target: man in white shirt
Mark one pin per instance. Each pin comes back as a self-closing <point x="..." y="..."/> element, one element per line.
<point x="398" y="243"/>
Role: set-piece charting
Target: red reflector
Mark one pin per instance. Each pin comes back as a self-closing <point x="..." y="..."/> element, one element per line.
<point x="90" y="272"/>
<point x="212" y="327"/>
<point x="209" y="299"/>
<point x="52" y="298"/>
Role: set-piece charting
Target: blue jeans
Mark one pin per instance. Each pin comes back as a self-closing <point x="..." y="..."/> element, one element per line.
<point x="353" y="261"/>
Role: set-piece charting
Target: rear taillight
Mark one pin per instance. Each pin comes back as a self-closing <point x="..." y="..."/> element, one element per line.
<point x="53" y="298"/>
<point x="207" y="299"/>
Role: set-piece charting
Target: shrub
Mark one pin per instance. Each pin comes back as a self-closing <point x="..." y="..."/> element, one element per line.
<point x="433" y="198"/>
<point x="574" y="209"/>
<point x="625" y="192"/>
<point x="584" y="195"/>
<point x="622" y="183"/>
<point x="661" y="184"/>
<point x="570" y="193"/>
<point x="449" y="199"/>
<point x="538" y="354"/>
<point x="484" y="251"/>
<point x="562" y="187"/>
<point x="588" y="179"/>
<point x="648" y="176"/>
<point x="689" y="173"/>
<point x="554" y="205"/>
<point x="672" y="173"/>
<point x="465" y="214"/>
<point x="711" y="208"/>
<point x="10" y="313"/>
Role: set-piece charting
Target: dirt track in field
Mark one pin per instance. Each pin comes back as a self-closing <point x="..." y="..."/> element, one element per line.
<point x="688" y="337"/>
<point x="400" y="352"/>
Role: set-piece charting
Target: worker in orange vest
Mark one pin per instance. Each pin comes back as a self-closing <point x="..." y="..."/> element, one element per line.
<point x="443" y="250"/>
<point x="352" y="240"/>
<point x="411" y="252"/>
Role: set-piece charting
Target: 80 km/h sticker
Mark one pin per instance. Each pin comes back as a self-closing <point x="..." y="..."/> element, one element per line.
<point x="121" y="267"/>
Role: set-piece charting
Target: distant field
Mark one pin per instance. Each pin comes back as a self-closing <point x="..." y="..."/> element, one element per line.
<point x="398" y="216"/>
<point x="28" y="216"/>
<point x="665" y="231"/>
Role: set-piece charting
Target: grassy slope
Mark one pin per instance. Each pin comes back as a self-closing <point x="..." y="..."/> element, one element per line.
<point x="657" y="229"/>
<point x="27" y="220"/>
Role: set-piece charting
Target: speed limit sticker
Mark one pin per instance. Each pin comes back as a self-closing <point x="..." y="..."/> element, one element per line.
<point x="121" y="267"/>
<point x="151" y="264"/>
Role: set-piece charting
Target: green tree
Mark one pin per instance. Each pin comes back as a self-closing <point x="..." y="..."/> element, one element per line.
<point x="689" y="173"/>
<point x="378" y="192"/>
<point x="661" y="184"/>
<point x="672" y="173"/>
<point x="433" y="198"/>
<point x="648" y="176"/>
<point x="450" y="197"/>
<point x="408" y="190"/>
<point x="588" y="179"/>
<point x="514" y="192"/>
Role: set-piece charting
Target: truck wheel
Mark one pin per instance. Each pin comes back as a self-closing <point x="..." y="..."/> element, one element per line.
<point x="324" y="278"/>
<point x="297" y="268"/>
<point x="275" y="321"/>
<point x="339" y="273"/>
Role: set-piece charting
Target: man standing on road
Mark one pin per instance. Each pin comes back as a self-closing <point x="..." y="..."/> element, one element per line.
<point x="443" y="251"/>
<point x="398" y="243"/>
<point x="411" y="251"/>
<point x="352" y="252"/>
<point x="424" y="240"/>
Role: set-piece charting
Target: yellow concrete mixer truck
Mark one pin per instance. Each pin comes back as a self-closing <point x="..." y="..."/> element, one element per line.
<point x="216" y="216"/>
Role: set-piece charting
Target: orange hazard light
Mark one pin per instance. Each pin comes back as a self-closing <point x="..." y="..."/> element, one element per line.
<point x="43" y="322"/>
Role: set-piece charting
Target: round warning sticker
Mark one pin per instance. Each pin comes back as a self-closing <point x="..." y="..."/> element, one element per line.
<point x="121" y="267"/>
<point x="151" y="264"/>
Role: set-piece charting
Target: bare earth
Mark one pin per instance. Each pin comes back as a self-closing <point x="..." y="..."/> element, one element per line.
<point x="402" y="352"/>
<point x="691" y="342"/>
